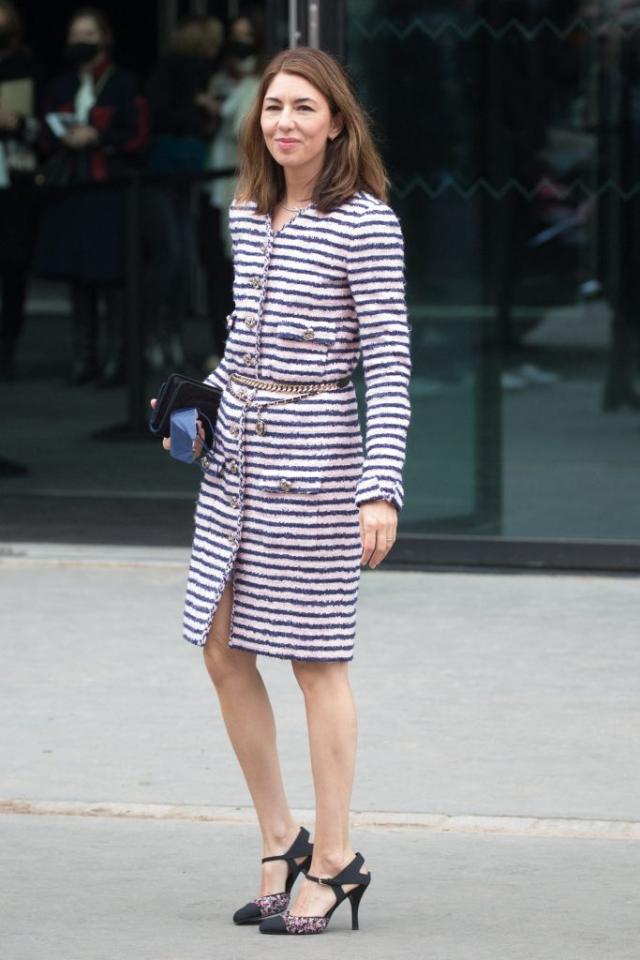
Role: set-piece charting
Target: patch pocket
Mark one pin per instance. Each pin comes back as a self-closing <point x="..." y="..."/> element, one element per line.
<point x="287" y="482"/>
<point x="314" y="334"/>
<point x="288" y="511"/>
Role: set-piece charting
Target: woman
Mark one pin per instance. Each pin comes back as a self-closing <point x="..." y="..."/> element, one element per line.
<point x="18" y="133"/>
<point x="287" y="496"/>
<point x="82" y="232"/>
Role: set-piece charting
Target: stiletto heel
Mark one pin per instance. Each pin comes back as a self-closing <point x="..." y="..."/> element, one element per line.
<point x="273" y="903"/>
<point x="355" y="896"/>
<point x="287" y="923"/>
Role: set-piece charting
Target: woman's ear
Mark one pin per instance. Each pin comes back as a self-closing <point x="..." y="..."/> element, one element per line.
<point x="337" y="124"/>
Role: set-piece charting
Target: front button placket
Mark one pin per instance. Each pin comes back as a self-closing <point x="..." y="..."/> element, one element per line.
<point x="235" y="466"/>
<point x="266" y="249"/>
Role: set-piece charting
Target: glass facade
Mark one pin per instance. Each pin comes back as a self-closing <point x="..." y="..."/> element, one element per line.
<point x="511" y="133"/>
<point x="511" y="130"/>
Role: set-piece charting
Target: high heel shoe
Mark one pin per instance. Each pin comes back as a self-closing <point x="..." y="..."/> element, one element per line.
<point x="272" y="903"/>
<point x="286" y="923"/>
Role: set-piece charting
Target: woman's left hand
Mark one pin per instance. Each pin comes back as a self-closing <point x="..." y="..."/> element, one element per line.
<point x="378" y="527"/>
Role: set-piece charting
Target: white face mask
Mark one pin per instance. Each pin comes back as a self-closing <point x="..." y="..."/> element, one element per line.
<point x="246" y="66"/>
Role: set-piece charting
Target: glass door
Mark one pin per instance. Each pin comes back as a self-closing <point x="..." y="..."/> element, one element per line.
<point x="418" y="85"/>
<point x="510" y="130"/>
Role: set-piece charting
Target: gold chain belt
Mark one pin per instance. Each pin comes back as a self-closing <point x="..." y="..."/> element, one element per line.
<point x="283" y="386"/>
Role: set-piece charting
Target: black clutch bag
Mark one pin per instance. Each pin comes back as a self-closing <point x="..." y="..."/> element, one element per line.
<point x="178" y="393"/>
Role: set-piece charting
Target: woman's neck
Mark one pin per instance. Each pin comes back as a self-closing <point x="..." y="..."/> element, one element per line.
<point x="298" y="190"/>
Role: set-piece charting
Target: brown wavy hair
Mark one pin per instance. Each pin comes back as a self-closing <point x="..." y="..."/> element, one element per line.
<point x="351" y="161"/>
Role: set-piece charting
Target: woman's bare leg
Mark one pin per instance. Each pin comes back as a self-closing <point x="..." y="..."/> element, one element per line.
<point x="248" y="717"/>
<point x="333" y="732"/>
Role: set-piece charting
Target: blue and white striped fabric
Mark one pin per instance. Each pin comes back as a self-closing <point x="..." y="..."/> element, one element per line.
<point x="278" y="505"/>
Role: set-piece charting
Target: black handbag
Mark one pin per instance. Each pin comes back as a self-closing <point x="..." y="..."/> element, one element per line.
<point x="179" y="393"/>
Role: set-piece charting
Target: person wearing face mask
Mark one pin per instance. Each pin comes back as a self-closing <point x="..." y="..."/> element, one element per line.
<point x="81" y="239"/>
<point x="233" y="88"/>
<point x="18" y="134"/>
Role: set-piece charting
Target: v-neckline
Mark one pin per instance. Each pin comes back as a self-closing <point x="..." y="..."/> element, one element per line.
<point x="276" y="233"/>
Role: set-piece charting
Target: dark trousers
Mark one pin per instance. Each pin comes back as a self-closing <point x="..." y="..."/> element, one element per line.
<point x="85" y="298"/>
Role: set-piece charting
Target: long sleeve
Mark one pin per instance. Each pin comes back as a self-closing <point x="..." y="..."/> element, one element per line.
<point x="376" y="275"/>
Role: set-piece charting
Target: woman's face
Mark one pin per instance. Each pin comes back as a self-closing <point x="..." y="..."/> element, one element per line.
<point x="296" y="121"/>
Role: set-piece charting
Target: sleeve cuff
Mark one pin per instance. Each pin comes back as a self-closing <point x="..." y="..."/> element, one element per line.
<point x="375" y="488"/>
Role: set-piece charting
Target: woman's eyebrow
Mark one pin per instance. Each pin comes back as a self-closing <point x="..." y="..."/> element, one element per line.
<point x="297" y="99"/>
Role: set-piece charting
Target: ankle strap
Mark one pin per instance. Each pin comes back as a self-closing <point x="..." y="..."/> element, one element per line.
<point x="299" y="848"/>
<point x="350" y="874"/>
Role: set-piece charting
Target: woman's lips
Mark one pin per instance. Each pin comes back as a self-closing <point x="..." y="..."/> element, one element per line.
<point x="286" y="143"/>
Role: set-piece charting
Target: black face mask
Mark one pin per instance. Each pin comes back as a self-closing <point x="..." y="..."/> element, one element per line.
<point x="77" y="54"/>
<point x="6" y="39"/>
<point x="238" y="49"/>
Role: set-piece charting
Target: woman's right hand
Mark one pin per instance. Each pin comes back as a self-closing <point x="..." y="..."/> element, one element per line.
<point x="197" y="446"/>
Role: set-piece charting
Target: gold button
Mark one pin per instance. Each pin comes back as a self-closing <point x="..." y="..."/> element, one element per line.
<point x="250" y="322"/>
<point x="249" y="359"/>
<point x="255" y="281"/>
<point x="233" y="500"/>
<point x="234" y="429"/>
<point x="233" y="466"/>
<point x="261" y="427"/>
<point x="285" y="485"/>
<point x="308" y="334"/>
<point x="231" y="537"/>
<point x="265" y="247"/>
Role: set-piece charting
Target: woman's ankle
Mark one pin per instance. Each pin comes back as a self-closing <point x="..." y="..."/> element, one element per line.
<point x="279" y="838"/>
<point x="327" y="863"/>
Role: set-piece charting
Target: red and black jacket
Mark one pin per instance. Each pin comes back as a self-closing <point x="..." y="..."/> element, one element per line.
<point x="120" y="115"/>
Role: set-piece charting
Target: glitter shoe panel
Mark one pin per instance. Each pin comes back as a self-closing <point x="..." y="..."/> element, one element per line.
<point x="272" y="903"/>
<point x="304" y="924"/>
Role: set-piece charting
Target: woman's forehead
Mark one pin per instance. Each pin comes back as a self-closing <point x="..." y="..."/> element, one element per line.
<point x="291" y="86"/>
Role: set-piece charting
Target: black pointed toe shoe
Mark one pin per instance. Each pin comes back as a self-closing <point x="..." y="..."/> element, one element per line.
<point x="286" y="923"/>
<point x="273" y="903"/>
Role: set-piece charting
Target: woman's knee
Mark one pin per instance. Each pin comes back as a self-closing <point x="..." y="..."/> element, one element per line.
<point x="222" y="661"/>
<point x="313" y="675"/>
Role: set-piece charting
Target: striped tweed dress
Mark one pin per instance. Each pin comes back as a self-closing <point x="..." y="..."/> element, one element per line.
<point x="277" y="508"/>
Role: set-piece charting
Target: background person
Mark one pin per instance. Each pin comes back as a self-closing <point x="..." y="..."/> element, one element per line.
<point x="81" y="237"/>
<point x="182" y="120"/>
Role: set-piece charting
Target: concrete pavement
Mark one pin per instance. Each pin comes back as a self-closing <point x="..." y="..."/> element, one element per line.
<point x="496" y="786"/>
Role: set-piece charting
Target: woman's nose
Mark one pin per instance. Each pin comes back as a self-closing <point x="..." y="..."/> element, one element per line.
<point x="285" y="120"/>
